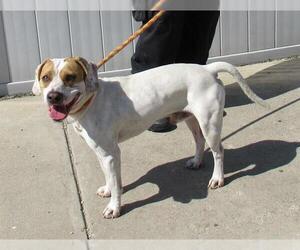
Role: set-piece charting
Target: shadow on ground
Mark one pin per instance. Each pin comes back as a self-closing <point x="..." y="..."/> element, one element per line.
<point x="184" y="185"/>
<point x="268" y="83"/>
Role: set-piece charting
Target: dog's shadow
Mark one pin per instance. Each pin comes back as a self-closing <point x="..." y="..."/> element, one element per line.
<point x="183" y="185"/>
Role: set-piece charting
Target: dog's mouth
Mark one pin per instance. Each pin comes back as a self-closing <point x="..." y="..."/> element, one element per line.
<point x="60" y="112"/>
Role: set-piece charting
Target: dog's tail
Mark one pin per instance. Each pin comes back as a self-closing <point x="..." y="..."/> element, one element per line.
<point x="219" y="67"/>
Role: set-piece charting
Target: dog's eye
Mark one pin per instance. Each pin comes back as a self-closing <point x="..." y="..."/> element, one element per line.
<point x="45" y="78"/>
<point x="70" y="78"/>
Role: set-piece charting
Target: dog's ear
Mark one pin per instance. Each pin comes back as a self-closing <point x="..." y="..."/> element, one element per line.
<point x="92" y="81"/>
<point x="91" y="73"/>
<point x="83" y="63"/>
<point x="36" y="88"/>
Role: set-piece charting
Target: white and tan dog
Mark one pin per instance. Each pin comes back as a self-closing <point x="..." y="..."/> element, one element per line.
<point x="111" y="110"/>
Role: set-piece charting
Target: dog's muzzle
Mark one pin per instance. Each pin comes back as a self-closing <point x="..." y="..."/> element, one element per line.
<point x="55" y="98"/>
<point x="58" y="109"/>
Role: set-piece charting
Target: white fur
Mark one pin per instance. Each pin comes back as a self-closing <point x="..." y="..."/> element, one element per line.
<point x="126" y="106"/>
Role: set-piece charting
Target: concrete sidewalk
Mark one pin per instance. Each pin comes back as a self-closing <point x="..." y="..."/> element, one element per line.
<point x="49" y="176"/>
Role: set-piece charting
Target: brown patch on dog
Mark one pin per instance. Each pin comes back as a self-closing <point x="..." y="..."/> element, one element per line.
<point x="46" y="73"/>
<point x="74" y="71"/>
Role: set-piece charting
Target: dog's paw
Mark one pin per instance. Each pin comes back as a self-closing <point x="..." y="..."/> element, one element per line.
<point x="111" y="211"/>
<point x="104" y="192"/>
<point x="193" y="164"/>
<point x="215" y="183"/>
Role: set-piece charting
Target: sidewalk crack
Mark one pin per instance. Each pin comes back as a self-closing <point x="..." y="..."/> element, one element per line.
<point x="76" y="180"/>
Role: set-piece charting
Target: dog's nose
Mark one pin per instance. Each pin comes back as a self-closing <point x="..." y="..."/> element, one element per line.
<point x="55" y="98"/>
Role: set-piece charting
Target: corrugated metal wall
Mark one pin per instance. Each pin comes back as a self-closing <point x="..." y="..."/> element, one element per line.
<point x="27" y="37"/>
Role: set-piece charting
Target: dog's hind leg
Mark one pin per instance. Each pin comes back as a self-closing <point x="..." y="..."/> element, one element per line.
<point x="217" y="179"/>
<point x="210" y="118"/>
<point x="193" y="125"/>
<point x="211" y="129"/>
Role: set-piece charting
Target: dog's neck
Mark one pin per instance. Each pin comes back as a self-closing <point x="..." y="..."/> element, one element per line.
<point x="82" y="106"/>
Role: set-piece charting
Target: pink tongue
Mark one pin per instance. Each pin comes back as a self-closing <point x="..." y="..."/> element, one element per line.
<point x="58" y="113"/>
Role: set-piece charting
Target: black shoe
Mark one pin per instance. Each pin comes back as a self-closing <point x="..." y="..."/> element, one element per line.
<point x="162" y="126"/>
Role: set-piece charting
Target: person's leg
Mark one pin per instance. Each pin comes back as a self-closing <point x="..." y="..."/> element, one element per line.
<point x="199" y="30"/>
<point x="158" y="46"/>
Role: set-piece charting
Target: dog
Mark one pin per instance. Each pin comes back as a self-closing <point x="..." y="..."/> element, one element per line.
<point x="108" y="111"/>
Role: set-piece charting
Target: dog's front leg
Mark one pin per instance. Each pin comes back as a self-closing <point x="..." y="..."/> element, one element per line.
<point x="111" y="164"/>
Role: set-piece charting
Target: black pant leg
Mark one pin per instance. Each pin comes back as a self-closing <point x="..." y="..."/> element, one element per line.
<point x="199" y="30"/>
<point x="160" y="43"/>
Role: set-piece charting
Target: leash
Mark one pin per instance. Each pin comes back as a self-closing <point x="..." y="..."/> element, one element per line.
<point x="135" y="34"/>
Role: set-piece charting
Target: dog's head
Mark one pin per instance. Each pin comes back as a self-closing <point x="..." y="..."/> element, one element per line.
<point x="65" y="83"/>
